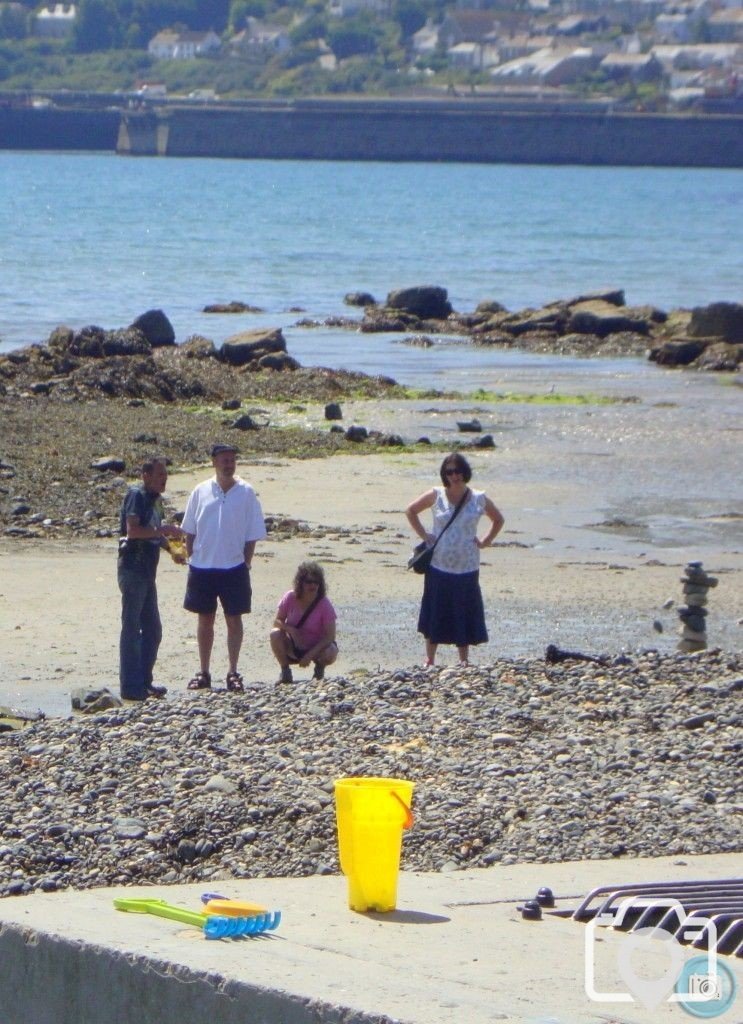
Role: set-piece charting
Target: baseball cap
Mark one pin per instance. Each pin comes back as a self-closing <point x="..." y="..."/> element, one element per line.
<point x="216" y="449"/>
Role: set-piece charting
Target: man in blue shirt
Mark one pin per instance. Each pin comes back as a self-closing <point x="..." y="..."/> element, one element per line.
<point x="141" y="535"/>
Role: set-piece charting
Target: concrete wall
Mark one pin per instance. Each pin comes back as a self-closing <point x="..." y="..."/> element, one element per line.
<point x="377" y="130"/>
<point x="359" y="132"/>
<point x="50" y="128"/>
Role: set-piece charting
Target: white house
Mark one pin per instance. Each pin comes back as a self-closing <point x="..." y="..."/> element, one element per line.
<point x="634" y="67"/>
<point x="550" y="66"/>
<point x="172" y="45"/>
<point x="260" y="37"/>
<point x="55" y="21"/>
<point x="348" y="8"/>
<point x="676" y="28"/>
<point x="726" y="26"/>
<point x="425" y="40"/>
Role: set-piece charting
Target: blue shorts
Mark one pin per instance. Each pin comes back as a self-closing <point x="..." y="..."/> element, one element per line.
<point x="230" y="586"/>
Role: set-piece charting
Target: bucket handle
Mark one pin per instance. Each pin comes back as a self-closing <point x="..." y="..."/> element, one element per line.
<point x="409" y="819"/>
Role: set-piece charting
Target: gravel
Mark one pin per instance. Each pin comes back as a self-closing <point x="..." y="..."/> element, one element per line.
<point x="515" y="761"/>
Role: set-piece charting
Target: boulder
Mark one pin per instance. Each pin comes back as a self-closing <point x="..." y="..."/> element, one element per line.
<point x="359" y="299"/>
<point x="490" y="306"/>
<point x="196" y="347"/>
<point x="91" y="700"/>
<point x="551" y="318"/>
<point x="277" y="361"/>
<point x="111" y="464"/>
<point x="387" y="322"/>
<point x="680" y="352"/>
<point x="356" y="434"/>
<point x="418" y="340"/>
<point x="603" y="318"/>
<point x="232" y="307"/>
<point x="720" y="356"/>
<point x="333" y="411"/>
<point x="244" y="422"/>
<point x="88" y="341"/>
<point x="61" y="338"/>
<point x="426" y="301"/>
<point x="614" y="297"/>
<point x="128" y="341"/>
<point x="718" y="320"/>
<point x="156" y="328"/>
<point x="248" y="346"/>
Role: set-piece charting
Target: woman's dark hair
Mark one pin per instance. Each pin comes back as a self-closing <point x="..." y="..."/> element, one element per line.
<point x="309" y="571"/>
<point x="455" y="461"/>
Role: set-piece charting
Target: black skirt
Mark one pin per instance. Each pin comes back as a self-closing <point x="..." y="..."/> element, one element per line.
<point x="452" y="610"/>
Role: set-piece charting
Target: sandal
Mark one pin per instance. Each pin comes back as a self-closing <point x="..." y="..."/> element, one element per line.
<point x="235" y="682"/>
<point x="201" y="681"/>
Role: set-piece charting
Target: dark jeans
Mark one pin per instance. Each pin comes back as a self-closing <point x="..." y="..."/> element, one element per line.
<point x="141" y="632"/>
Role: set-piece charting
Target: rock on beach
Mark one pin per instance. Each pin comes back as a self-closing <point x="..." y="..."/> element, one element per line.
<point x="514" y="761"/>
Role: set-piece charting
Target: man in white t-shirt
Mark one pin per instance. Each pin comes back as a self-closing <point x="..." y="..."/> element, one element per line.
<point x="222" y="522"/>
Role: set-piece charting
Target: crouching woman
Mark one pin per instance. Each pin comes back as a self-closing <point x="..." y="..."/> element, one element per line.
<point x="304" y="627"/>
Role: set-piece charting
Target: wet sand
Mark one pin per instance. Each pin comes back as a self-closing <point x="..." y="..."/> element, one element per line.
<point x="604" y="505"/>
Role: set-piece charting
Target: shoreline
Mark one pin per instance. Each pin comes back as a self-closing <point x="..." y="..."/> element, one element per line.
<point x="550" y="578"/>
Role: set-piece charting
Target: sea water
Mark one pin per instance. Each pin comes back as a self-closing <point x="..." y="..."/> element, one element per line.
<point x="98" y="239"/>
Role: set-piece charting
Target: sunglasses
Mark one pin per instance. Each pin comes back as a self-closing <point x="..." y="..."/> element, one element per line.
<point x="453" y="472"/>
<point x="312" y="582"/>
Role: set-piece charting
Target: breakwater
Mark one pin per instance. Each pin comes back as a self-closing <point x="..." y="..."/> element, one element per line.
<point x="454" y="130"/>
<point x="458" y="130"/>
<point x="26" y="127"/>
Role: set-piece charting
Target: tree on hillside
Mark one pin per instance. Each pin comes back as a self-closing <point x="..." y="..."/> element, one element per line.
<point x="311" y="28"/>
<point x="96" y="26"/>
<point x="212" y="14"/>
<point x="410" y="15"/>
<point x="13" y="23"/>
<point x="352" y="36"/>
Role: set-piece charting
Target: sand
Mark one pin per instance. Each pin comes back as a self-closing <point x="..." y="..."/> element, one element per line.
<point x="604" y="505"/>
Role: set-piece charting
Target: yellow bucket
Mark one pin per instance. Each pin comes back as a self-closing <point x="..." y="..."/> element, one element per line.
<point x="371" y="815"/>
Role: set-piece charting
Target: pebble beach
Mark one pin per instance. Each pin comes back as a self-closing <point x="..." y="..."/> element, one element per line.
<point x="513" y="761"/>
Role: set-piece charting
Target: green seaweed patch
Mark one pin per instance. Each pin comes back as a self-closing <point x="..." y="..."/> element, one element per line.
<point x="520" y="397"/>
<point x="549" y="398"/>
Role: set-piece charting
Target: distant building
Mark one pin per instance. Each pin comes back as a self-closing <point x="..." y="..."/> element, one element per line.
<point x="521" y="45"/>
<point x="155" y="90"/>
<point x="260" y="37"/>
<point x="467" y="26"/>
<point x="698" y="56"/>
<point x="173" y="45"/>
<point x="348" y="8"/>
<point x="633" y="67"/>
<point x="425" y="40"/>
<point x="726" y="26"/>
<point x="676" y="28"/>
<point x="55" y="21"/>
<point x="550" y="66"/>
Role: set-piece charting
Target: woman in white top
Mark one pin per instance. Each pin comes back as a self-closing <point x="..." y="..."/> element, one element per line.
<point x="451" y="609"/>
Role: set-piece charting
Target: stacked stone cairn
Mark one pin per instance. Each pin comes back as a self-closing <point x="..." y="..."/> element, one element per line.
<point x="693" y="614"/>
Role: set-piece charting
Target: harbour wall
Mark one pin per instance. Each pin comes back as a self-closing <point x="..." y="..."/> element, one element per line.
<point x="53" y="128"/>
<point x="462" y="132"/>
<point x="459" y="130"/>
